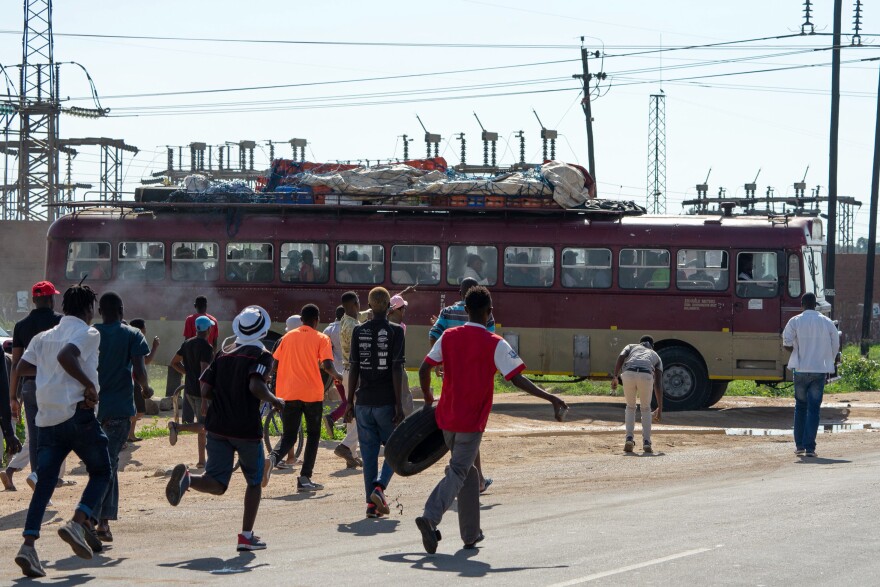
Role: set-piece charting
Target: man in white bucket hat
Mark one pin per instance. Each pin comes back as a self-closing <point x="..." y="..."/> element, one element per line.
<point x="236" y="383"/>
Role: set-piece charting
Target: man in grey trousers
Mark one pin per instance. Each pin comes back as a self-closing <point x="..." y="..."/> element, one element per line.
<point x="470" y="356"/>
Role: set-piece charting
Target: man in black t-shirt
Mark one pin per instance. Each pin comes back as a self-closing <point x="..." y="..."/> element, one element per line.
<point x="236" y="381"/>
<point x="376" y="378"/>
<point x="191" y="360"/>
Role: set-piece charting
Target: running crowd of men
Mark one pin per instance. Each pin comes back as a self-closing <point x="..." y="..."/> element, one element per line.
<point x="80" y="386"/>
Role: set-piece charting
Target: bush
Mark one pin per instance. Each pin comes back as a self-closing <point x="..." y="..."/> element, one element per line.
<point x="859" y="373"/>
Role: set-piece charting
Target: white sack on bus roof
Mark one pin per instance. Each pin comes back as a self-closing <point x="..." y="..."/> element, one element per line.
<point x="568" y="184"/>
<point x="403" y="180"/>
<point x="196" y="183"/>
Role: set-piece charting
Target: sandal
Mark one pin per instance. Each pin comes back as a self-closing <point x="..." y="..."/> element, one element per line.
<point x="104" y="535"/>
<point x="486" y="483"/>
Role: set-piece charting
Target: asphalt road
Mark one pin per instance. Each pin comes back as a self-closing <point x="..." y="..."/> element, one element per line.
<point x="804" y="523"/>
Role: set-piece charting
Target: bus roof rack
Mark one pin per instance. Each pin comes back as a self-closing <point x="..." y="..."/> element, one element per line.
<point x="594" y="210"/>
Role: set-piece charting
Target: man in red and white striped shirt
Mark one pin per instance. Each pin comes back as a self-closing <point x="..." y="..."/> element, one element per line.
<point x="470" y="356"/>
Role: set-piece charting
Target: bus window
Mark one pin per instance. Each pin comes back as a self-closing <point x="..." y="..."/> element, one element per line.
<point x="195" y="261"/>
<point x="701" y="270"/>
<point x="475" y="261"/>
<point x="590" y="268"/>
<point x="756" y="275"/>
<point x="88" y="259"/>
<point x="304" y="263"/>
<point x="528" y="266"/>
<point x="141" y="261"/>
<point x="360" y="264"/>
<point x="249" y="262"/>
<point x="644" y="269"/>
<point x="411" y="264"/>
<point x="794" y="276"/>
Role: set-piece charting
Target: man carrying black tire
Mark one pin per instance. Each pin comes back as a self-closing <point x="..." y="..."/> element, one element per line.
<point x="470" y="355"/>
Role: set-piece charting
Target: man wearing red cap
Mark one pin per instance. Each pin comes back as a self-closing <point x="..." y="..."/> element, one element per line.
<point x="24" y="389"/>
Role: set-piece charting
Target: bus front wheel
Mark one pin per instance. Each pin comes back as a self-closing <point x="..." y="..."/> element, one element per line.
<point x="685" y="380"/>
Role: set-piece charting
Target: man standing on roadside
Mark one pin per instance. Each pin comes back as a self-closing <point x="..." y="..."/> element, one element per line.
<point x="191" y="360"/>
<point x="189" y="327"/>
<point x="299" y="384"/>
<point x="450" y="317"/>
<point x="470" y="356"/>
<point x="642" y="374"/>
<point x="236" y="380"/>
<point x="347" y="449"/>
<point x="374" y="393"/>
<point x="23" y="390"/>
<point x="64" y="360"/>
<point x="813" y="341"/>
<point x="121" y="356"/>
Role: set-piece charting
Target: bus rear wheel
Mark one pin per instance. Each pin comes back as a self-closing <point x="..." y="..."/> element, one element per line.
<point x="685" y="380"/>
<point x="717" y="391"/>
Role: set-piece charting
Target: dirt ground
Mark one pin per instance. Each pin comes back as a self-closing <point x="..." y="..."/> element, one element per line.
<point x="523" y="449"/>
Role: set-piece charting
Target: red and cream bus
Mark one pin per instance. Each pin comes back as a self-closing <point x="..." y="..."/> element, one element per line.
<point x="569" y="290"/>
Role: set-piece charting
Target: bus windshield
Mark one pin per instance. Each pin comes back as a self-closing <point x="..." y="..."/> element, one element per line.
<point x="813" y="279"/>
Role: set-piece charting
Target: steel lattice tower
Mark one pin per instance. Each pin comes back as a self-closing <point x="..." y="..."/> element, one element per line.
<point x="38" y="116"/>
<point x="845" y="229"/>
<point x="656" y="201"/>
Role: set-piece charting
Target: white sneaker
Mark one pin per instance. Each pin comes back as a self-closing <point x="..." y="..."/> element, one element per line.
<point x="32" y="480"/>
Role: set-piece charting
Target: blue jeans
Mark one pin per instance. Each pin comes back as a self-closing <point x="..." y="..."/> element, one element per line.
<point x="374" y="425"/>
<point x="116" y="430"/>
<point x="83" y="435"/>
<point x="808" y="391"/>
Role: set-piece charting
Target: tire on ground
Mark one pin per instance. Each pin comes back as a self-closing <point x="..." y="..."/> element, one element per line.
<point x="416" y="444"/>
<point x="685" y="380"/>
<point x="717" y="391"/>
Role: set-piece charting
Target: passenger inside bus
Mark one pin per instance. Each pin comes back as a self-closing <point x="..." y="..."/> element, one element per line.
<point x="599" y="273"/>
<point x="572" y="276"/>
<point x="522" y="273"/>
<point x="347" y="268"/>
<point x="307" y="269"/>
<point x="291" y="270"/>
<point x="474" y="269"/>
<point x="746" y="269"/>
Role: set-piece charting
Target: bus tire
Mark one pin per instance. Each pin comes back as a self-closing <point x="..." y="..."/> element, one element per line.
<point x="416" y="444"/>
<point x="685" y="380"/>
<point x="716" y="392"/>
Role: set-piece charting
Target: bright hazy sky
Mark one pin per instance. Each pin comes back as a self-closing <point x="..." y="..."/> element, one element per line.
<point x="735" y="125"/>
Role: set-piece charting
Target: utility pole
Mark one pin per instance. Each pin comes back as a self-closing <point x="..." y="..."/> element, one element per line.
<point x="830" y="292"/>
<point x="868" y="306"/>
<point x="587" y="107"/>
<point x="38" y="114"/>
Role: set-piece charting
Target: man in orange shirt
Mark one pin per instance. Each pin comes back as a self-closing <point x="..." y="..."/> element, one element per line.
<point x="298" y="382"/>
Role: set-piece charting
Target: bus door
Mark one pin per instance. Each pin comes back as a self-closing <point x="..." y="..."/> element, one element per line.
<point x="757" y="308"/>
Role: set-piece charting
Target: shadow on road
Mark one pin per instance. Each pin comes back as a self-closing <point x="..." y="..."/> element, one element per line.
<point x="16" y="519"/>
<point x="69" y="581"/>
<point x="370" y="527"/>
<point x="612" y="413"/>
<point x="346" y="473"/>
<point x="218" y="566"/>
<point x="304" y="496"/>
<point x="75" y="563"/>
<point x="821" y="461"/>
<point x="459" y="563"/>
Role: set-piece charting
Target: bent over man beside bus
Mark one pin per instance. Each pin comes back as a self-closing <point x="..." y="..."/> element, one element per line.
<point x="642" y="372"/>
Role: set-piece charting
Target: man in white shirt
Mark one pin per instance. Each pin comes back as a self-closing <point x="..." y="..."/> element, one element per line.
<point x="813" y="341"/>
<point x="64" y="360"/>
